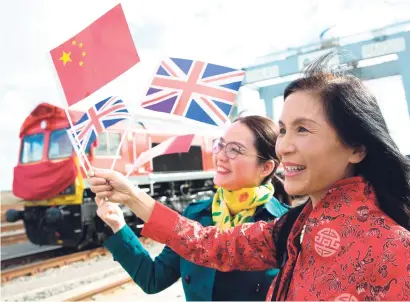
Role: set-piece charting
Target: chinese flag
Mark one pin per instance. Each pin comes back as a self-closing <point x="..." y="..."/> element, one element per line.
<point x="95" y="56"/>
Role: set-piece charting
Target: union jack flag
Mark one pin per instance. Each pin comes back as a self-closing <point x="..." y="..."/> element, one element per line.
<point x="98" y="118"/>
<point x="196" y="90"/>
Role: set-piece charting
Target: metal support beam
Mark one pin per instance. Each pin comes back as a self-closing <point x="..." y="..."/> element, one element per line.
<point x="272" y="75"/>
<point x="404" y="68"/>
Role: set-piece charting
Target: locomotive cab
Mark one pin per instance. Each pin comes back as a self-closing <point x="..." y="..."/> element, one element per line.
<point x="49" y="180"/>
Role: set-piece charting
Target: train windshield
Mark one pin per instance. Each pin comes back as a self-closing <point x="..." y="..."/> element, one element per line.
<point x="60" y="145"/>
<point x="32" y="148"/>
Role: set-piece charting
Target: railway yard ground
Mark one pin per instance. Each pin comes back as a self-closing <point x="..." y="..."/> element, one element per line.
<point x="33" y="273"/>
<point x="90" y="275"/>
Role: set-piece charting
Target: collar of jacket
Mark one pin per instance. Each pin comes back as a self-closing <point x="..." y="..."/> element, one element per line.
<point x="273" y="207"/>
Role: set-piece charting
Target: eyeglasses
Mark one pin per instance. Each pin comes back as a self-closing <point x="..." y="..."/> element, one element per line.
<point x="232" y="150"/>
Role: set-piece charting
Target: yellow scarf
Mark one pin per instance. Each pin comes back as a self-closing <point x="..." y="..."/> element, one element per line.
<point x="241" y="204"/>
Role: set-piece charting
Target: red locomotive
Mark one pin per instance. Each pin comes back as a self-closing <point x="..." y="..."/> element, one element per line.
<point x="59" y="208"/>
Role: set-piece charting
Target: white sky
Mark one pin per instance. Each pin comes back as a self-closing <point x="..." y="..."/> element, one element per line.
<point x="226" y="32"/>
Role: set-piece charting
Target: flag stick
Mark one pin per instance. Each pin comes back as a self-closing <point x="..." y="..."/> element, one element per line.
<point x="75" y="146"/>
<point x="118" y="149"/>
<point x="130" y="171"/>
<point x="121" y="142"/>
<point x="78" y="141"/>
<point x="144" y="93"/>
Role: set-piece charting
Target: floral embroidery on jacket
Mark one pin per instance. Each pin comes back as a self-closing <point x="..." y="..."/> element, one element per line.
<point x="351" y="250"/>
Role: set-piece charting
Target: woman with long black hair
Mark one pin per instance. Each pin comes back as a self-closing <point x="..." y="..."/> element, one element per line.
<point x="350" y="241"/>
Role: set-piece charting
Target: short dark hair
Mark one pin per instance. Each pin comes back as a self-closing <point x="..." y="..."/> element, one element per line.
<point x="353" y="112"/>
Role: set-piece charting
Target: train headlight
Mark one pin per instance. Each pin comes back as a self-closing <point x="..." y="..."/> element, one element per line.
<point x="69" y="190"/>
<point x="43" y="124"/>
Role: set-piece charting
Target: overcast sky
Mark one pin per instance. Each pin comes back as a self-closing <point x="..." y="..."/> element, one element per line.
<point x="228" y="32"/>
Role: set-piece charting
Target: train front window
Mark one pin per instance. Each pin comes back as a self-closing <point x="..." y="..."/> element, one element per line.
<point x="32" y="148"/>
<point x="60" y="145"/>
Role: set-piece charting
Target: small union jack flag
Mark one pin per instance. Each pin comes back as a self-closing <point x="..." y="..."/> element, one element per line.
<point x="98" y="118"/>
<point x="196" y="90"/>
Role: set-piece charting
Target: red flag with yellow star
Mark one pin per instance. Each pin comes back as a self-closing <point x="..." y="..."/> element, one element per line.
<point x="95" y="56"/>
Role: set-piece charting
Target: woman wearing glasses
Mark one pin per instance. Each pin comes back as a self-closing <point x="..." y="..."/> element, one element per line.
<point x="350" y="241"/>
<point x="245" y="163"/>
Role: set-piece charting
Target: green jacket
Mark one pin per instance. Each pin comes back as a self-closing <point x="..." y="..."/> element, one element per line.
<point x="200" y="283"/>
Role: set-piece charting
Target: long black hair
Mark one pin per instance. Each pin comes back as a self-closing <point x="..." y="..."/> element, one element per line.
<point x="355" y="115"/>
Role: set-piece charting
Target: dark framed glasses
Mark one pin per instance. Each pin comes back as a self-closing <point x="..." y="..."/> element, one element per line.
<point x="232" y="150"/>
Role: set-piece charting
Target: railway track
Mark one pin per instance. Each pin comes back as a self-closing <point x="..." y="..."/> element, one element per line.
<point x="100" y="289"/>
<point x="11" y="227"/>
<point x="86" y="282"/>
<point x="7" y="239"/>
<point x="31" y="256"/>
<point x="38" y="267"/>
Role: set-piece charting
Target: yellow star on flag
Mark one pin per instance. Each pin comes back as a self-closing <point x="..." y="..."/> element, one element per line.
<point x="80" y="45"/>
<point x="65" y="57"/>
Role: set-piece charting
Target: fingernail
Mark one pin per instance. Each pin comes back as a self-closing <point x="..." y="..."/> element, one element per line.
<point x="90" y="173"/>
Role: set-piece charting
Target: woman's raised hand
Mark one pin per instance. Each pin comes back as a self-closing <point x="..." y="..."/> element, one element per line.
<point x="111" y="214"/>
<point x="112" y="185"/>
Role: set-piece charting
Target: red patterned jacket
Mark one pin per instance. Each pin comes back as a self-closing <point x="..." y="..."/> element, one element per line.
<point x="350" y="249"/>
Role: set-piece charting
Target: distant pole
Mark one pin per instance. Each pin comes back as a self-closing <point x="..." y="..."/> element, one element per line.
<point x="323" y="33"/>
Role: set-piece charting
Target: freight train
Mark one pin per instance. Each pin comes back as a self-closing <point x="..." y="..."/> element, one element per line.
<point x="59" y="208"/>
